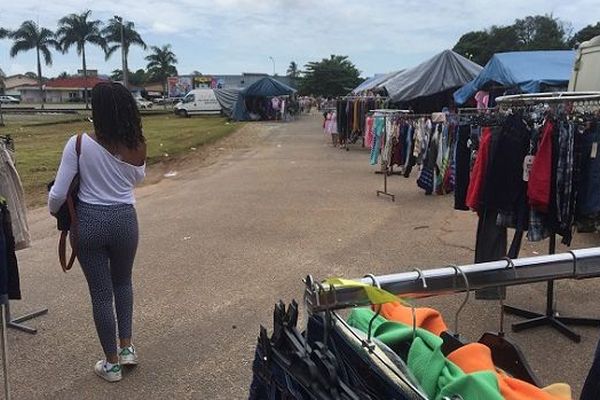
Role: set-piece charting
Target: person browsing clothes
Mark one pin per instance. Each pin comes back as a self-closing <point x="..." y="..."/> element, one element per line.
<point x="112" y="161"/>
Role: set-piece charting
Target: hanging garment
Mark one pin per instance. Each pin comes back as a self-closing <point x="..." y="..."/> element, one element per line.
<point x="411" y="160"/>
<point x="369" y="137"/>
<point x="378" y="133"/>
<point x="10" y="285"/>
<point x="564" y="181"/>
<point x="476" y="183"/>
<point x="437" y="376"/>
<point x="12" y="188"/>
<point x="540" y="177"/>
<point x="462" y="167"/>
<point x="490" y="245"/>
<point x="588" y="198"/>
<point x="386" y="153"/>
<point x="399" y="145"/>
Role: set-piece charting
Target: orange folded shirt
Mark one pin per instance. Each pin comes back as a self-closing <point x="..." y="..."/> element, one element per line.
<point x="426" y="318"/>
<point x="474" y="357"/>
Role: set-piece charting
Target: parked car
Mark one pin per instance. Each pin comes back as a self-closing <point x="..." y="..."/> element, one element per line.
<point x="142" y="103"/>
<point x="9" y="100"/>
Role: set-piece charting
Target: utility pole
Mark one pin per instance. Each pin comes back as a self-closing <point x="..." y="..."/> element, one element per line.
<point x="273" y="60"/>
<point x="123" y="55"/>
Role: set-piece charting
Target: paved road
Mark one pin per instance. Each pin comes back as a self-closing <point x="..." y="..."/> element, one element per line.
<point x="221" y="244"/>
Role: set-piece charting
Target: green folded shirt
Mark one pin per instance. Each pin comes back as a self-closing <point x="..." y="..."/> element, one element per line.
<point x="437" y="376"/>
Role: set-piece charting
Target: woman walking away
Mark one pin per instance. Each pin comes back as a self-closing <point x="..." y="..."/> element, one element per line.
<point x="111" y="162"/>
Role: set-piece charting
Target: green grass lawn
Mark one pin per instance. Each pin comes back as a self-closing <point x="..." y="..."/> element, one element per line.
<point x="39" y="147"/>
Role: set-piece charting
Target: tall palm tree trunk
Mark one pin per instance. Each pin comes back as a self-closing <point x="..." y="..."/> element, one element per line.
<point x="85" y="82"/>
<point x="165" y="94"/>
<point x="39" y="70"/>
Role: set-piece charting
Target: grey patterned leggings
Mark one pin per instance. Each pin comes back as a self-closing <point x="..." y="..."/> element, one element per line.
<point x="108" y="239"/>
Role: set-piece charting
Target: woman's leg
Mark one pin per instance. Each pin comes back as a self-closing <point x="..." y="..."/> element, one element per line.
<point x="94" y="261"/>
<point x="122" y="250"/>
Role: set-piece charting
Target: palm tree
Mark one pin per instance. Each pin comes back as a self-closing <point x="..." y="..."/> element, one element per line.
<point x="161" y="64"/>
<point x="3" y="33"/>
<point x="31" y="36"/>
<point x="112" y="34"/>
<point x="292" y="70"/>
<point x="77" y="30"/>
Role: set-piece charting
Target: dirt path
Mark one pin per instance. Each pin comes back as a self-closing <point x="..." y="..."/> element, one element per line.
<point x="236" y="231"/>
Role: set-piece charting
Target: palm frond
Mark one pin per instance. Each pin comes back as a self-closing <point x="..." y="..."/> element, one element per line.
<point x="20" y="46"/>
<point x="47" y="55"/>
<point x="110" y="50"/>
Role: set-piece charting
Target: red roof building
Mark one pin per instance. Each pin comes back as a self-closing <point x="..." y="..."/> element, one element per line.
<point x="60" y="90"/>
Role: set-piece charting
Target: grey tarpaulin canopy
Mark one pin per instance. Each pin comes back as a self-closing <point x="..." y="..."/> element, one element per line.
<point x="375" y="82"/>
<point x="266" y="87"/>
<point x="447" y="70"/>
<point x="227" y="99"/>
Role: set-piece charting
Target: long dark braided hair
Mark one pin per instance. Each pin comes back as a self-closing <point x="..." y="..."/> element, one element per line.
<point x="116" y="116"/>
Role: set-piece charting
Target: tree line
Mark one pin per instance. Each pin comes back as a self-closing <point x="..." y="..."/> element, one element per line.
<point x="537" y="32"/>
<point x="79" y="31"/>
<point x="337" y="75"/>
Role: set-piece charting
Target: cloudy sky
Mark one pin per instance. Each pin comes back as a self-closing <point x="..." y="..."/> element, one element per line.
<point x="234" y="36"/>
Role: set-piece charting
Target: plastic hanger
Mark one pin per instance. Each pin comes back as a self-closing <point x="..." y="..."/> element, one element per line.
<point x="505" y="353"/>
<point x="453" y="341"/>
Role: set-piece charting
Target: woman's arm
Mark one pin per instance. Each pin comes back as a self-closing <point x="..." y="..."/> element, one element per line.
<point x="66" y="172"/>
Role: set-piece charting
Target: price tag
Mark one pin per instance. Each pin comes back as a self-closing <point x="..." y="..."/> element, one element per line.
<point x="594" y="150"/>
<point x="527" y="164"/>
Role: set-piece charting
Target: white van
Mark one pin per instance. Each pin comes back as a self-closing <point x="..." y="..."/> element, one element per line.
<point x="586" y="73"/>
<point x="198" y="101"/>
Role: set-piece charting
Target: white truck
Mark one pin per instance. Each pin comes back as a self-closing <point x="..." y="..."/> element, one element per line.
<point x="198" y="101"/>
<point x="586" y="73"/>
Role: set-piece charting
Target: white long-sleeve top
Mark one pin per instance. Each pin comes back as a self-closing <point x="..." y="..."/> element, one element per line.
<point x="104" y="179"/>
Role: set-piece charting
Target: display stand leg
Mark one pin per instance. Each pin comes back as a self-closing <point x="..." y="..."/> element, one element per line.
<point x="550" y="317"/>
<point x="17" y="322"/>
<point x="5" y="354"/>
<point x="385" y="192"/>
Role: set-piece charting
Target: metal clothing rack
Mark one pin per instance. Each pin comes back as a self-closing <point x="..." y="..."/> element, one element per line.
<point x="575" y="264"/>
<point x="550" y="317"/>
<point x="17" y="322"/>
<point x="353" y="97"/>
<point x="385" y="169"/>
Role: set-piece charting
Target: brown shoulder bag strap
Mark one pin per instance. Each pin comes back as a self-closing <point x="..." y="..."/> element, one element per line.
<point x="62" y="243"/>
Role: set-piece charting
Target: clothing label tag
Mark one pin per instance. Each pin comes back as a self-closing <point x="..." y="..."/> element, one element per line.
<point x="594" y="150"/>
<point x="527" y="163"/>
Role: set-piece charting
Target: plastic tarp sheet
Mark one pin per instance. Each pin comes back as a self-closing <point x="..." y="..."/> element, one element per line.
<point x="444" y="71"/>
<point x="227" y="98"/>
<point x="525" y="70"/>
<point x="268" y="87"/>
<point x="374" y="82"/>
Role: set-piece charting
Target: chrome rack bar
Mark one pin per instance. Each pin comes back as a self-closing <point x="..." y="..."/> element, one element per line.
<point x="556" y="97"/>
<point x="577" y="264"/>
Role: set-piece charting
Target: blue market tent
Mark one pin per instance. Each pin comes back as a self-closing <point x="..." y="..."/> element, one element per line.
<point x="525" y="71"/>
<point x="266" y="87"/>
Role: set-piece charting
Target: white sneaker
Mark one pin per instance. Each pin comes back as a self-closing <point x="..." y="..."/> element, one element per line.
<point x="128" y="356"/>
<point x="107" y="371"/>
